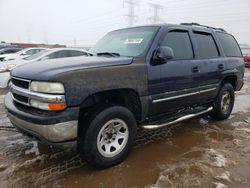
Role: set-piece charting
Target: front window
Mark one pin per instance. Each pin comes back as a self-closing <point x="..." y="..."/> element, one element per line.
<point x="130" y="42"/>
<point x="37" y="55"/>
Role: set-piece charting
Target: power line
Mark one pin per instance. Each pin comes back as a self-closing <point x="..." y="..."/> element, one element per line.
<point x="156" y="10"/>
<point x="131" y="11"/>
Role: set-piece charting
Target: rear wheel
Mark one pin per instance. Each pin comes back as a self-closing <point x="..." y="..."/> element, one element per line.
<point x="224" y="103"/>
<point x="109" y="137"/>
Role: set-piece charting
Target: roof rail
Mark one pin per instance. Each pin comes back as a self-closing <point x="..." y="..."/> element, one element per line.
<point x="199" y="25"/>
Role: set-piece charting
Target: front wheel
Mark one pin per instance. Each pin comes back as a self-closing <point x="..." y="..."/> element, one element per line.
<point x="224" y="103"/>
<point x="109" y="137"/>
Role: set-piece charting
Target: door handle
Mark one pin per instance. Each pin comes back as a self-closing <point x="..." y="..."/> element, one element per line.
<point x="220" y="66"/>
<point x="195" y="69"/>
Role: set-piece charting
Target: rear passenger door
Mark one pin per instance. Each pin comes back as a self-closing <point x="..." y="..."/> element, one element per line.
<point x="177" y="88"/>
<point x="208" y="65"/>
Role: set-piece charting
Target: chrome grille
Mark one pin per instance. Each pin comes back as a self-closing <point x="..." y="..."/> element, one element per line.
<point x="20" y="82"/>
<point x="22" y="94"/>
<point x="21" y="98"/>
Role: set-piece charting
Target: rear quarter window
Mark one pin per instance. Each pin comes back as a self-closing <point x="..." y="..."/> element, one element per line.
<point x="229" y="45"/>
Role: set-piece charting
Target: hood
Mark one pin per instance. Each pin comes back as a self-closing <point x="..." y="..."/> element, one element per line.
<point x="46" y="70"/>
<point x="13" y="62"/>
<point x="9" y="55"/>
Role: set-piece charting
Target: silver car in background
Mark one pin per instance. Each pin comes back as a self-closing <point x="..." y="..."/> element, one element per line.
<point x="7" y="66"/>
<point x="20" y="54"/>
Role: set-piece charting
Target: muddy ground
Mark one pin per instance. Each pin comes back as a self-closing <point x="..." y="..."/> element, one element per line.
<point x="197" y="153"/>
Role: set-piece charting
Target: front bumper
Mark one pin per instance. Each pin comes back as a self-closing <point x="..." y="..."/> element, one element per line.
<point x="59" y="128"/>
<point x="59" y="132"/>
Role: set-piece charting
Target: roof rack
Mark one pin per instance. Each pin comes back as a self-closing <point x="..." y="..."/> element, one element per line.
<point x="197" y="24"/>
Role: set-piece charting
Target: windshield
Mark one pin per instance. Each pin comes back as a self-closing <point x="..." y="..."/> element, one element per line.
<point x="36" y="55"/>
<point x="126" y="42"/>
<point x="22" y="51"/>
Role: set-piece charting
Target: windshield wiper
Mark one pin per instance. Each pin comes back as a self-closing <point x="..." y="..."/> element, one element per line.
<point x="113" y="54"/>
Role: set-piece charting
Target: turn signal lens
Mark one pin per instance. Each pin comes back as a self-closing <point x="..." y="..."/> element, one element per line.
<point x="47" y="106"/>
<point x="57" y="106"/>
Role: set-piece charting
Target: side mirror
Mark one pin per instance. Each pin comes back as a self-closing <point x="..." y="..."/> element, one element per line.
<point x="163" y="54"/>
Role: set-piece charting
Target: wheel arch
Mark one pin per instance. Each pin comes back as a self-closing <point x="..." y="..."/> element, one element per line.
<point x="232" y="79"/>
<point x="128" y="98"/>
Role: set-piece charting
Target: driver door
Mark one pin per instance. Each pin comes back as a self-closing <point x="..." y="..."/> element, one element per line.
<point x="177" y="88"/>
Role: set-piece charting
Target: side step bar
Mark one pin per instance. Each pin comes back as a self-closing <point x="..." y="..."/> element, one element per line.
<point x="183" y="118"/>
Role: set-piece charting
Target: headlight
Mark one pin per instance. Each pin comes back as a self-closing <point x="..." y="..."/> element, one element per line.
<point x="7" y="67"/>
<point x="47" y="87"/>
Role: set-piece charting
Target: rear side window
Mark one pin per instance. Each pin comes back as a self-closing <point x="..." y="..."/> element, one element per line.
<point x="59" y="54"/>
<point x="207" y="47"/>
<point x="229" y="45"/>
<point x="74" y="53"/>
<point x="180" y="42"/>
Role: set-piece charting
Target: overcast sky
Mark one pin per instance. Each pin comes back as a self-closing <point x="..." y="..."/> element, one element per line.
<point x="83" y="22"/>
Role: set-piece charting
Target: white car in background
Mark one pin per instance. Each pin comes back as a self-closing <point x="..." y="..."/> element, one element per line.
<point x="7" y="66"/>
<point x="21" y="54"/>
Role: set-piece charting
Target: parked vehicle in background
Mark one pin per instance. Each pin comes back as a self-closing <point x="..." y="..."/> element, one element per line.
<point x="9" y="50"/>
<point x="21" y="54"/>
<point x="7" y="66"/>
<point x="246" y="54"/>
<point x="247" y="61"/>
<point x="147" y="76"/>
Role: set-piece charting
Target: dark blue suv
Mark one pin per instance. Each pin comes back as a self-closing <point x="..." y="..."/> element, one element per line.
<point x="149" y="76"/>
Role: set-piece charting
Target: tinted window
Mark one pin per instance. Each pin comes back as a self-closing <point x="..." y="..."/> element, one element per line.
<point x="206" y="45"/>
<point x="30" y="52"/>
<point x="59" y="54"/>
<point x="180" y="42"/>
<point x="73" y="53"/>
<point x="229" y="45"/>
<point x="36" y="55"/>
<point x="9" y="51"/>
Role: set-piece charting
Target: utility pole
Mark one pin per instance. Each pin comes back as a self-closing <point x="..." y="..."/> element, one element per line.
<point x="156" y="10"/>
<point x="131" y="11"/>
<point x="74" y="42"/>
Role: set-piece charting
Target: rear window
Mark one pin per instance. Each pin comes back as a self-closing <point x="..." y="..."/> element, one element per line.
<point x="229" y="45"/>
<point x="206" y="45"/>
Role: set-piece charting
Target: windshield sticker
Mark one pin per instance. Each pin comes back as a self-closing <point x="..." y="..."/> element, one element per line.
<point x="133" y="41"/>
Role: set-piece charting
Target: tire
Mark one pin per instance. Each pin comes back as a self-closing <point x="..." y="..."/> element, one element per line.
<point x="224" y="103"/>
<point x="109" y="137"/>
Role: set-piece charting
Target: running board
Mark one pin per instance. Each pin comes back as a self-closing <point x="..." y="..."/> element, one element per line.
<point x="183" y="118"/>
